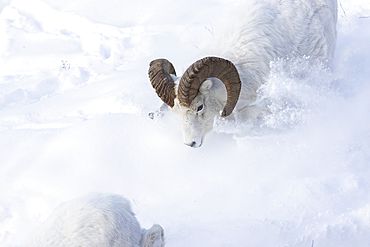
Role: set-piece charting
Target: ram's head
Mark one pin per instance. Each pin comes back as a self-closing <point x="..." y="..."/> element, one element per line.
<point x="193" y="97"/>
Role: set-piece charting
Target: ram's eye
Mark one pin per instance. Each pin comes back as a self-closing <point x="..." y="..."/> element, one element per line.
<point x="199" y="108"/>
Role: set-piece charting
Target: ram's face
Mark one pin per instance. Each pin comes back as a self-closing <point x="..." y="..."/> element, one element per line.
<point x="197" y="120"/>
<point x="189" y="99"/>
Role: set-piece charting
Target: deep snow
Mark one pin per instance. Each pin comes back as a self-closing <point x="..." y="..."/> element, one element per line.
<point x="74" y="99"/>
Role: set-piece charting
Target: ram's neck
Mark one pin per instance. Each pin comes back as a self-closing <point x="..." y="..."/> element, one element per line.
<point x="244" y="42"/>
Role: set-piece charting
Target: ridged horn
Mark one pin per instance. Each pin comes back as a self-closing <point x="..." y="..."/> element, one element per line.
<point x="207" y="67"/>
<point x="159" y="75"/>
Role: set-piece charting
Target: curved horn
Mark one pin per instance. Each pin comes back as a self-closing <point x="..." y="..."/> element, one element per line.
<point x="210" y="67"/>
<point x="159" y="75"/>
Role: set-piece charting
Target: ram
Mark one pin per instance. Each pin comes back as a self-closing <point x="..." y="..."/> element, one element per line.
<point x="95" y="220"/>
<point x="225" y="84"/>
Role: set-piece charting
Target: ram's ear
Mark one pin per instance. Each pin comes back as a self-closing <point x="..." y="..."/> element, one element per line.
<point x="206" y="85"/>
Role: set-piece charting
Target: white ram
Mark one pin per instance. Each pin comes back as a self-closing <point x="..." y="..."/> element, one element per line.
<point x="263" y="31"/>
<point x="97" y="220"/>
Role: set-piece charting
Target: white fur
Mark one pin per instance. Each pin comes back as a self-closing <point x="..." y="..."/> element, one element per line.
<point x="260" y="32"/>
<point x="98" y="220"/>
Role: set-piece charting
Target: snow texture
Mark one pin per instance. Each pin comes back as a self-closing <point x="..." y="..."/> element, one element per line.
<point x="74" y="99"/>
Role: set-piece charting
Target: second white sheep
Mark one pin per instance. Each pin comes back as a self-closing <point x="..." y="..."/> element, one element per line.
<point x="95" y="221"/>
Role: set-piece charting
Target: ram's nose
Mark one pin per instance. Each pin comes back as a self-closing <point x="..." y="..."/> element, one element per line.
<point x="192" y="144"/>
<point x="195" y="144"/>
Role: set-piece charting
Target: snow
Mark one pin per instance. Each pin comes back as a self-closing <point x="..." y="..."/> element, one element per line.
<point x="74" y="99"/>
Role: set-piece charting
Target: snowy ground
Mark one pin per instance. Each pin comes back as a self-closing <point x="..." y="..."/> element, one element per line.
<point x="74" y="98"/>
